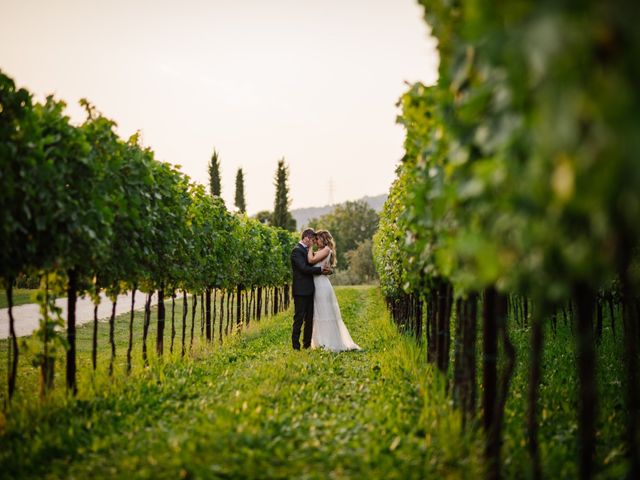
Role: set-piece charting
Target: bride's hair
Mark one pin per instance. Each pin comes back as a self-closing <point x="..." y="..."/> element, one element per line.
<point x="327" y="239"/>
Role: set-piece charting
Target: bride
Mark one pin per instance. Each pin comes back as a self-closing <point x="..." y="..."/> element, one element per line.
<point x="329" y="331"/>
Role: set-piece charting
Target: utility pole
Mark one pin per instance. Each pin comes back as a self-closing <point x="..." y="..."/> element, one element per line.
<point x="331" y="191"/>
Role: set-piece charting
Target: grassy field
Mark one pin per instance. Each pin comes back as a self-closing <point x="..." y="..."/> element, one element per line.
<point x="20" y="297"/>
<point x="253" y="408"/>
<point x="558" y="407"/>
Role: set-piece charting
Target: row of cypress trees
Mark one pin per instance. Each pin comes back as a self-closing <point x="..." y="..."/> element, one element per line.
<point x="281" y="216"/>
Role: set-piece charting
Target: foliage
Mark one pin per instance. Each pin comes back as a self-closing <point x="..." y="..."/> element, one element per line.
<point x="16" y="127"/>
<point x="502" y="173"/>
<point x="521" y="176"/>
<point x="81" y="198"/>
<point x="99" y="213"/>
<point x="287" y="241"/>
<point x="281" y="215"/>
<point x="350" y="223"/>
<point x="214" y="175"/>
<point x="240" y="202"/>
<point x="388" y="241"/>
<point x="48" y="340"/>
<point x="361" y="269"/>
<point x="264" y="217"/>
<point x="360" y="262"/>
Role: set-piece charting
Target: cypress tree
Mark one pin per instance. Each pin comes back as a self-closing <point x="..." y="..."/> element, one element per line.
<point x="281" y="215"/>
<point x="240" y="202"/>
<point x="214" y="175"/>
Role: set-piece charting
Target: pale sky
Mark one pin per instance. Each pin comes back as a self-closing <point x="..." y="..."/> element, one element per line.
<point x="313" y="81"/>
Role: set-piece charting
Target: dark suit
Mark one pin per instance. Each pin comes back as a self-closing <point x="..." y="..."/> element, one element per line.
<point x="303" y="291"/>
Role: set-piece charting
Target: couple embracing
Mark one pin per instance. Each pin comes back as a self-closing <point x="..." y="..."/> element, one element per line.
<point x="315" y="303"/>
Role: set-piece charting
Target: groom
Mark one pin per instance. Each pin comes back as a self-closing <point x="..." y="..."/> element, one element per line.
<point x="303" y="289"/>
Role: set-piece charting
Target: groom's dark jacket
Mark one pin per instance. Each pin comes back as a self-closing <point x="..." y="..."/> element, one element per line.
<point x="303" y="271"/>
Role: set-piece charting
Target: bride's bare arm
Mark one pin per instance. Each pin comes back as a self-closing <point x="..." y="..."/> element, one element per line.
<point x="318" y="256"/>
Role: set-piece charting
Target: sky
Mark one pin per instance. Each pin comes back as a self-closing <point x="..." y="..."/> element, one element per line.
<point x="312" y="81"/>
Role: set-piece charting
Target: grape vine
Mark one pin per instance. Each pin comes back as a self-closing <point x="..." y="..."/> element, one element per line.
<point x="520" y="187"/>
<point x="87" y="211"/>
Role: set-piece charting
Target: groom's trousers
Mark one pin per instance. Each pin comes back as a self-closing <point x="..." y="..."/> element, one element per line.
<point x="303" y="314"/>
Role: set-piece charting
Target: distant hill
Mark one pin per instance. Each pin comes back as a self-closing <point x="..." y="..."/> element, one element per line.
<point x="303" y="215"/>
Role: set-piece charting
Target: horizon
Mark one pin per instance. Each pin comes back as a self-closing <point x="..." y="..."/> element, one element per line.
<point x="326" y="205"/>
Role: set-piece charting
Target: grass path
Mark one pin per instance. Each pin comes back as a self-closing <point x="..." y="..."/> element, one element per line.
<point x="21" y="296"/>
<point x="255" y="409"/>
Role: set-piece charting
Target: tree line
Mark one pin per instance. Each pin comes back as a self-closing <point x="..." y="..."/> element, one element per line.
<point x="517" y="203"/>
<point x="88" y="212"/>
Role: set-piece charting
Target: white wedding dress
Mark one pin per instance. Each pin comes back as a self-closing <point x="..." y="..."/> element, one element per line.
<point x="329" y="331"/>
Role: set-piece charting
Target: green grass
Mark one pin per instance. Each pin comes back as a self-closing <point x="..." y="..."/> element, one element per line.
<point x="253" y="408"/>
<point x="558" y="407"/>
<point x="20" y="297"/>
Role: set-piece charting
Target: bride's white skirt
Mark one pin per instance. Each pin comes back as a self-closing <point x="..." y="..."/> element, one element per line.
<point x="329" y="331"/>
